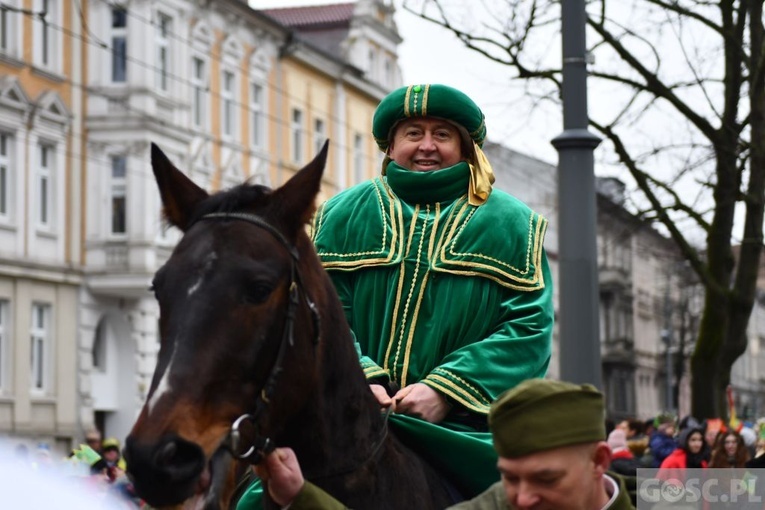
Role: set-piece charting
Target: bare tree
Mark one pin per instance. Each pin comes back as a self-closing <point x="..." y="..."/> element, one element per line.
<point x="686" y="89"/>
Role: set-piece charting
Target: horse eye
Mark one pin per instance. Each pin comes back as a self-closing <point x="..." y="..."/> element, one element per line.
<point x="257" y="293"/>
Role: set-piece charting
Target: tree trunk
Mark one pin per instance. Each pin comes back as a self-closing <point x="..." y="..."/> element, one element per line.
<point x="705" y="388"/>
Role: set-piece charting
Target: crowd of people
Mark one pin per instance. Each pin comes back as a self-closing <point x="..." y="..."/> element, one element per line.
<point x="665" y="443"/>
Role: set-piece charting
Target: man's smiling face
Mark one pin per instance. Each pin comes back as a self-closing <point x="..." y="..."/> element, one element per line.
<point x="424" y="144"/>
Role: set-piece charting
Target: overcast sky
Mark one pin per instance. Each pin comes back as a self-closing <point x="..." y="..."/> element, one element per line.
<point x="430" y="54"/>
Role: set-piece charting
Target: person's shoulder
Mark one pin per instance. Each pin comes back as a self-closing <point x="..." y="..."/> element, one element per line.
<point x="493" y="498"/>
<point x="363" y="190"/>
<point x="312" y="497"/>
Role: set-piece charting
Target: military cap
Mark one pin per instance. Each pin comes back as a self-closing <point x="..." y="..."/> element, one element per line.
<point x="542" y="414"/>
<point x="427" y="100"/>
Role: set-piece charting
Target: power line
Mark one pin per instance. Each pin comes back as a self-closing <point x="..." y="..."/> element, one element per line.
<point x="241" y="106"/>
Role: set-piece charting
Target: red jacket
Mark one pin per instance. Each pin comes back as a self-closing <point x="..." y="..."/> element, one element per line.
<point x="678" y="460"/>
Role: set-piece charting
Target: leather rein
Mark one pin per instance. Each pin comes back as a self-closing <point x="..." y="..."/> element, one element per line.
<point x="260" y="445"/>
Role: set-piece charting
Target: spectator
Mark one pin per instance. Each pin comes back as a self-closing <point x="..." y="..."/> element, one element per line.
<point x="623" y="461"/>
<point x="662" y="441"/>
<point x="730" y="451"/>
<point x="688" y="453"/>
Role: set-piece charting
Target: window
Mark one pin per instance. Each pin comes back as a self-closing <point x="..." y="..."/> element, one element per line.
<point x="358" y="158"/>
<point x="162" y="64"/>
<point x="9" y="21"/>
<point x="40" y="339"/>
<point x="5" y="186"/>
<point x="46" y="39"/>
<point x="199" y="86"/>
<point x="257" y="112"/>
<point x="118" y="187"/>
<point x="228" y="106"/>
<point x="5" y="332"/>
<point x="99" y="347"/>
<point x="44" y="188"/>
<point x="297" y="135"/>
<point x="372" y="63"/>
<point x="319" y="135"/>
<point x="5" y="28"/>
<point x="119" y="44"/>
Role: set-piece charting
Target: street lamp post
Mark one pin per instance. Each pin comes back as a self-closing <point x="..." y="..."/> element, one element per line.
<point x="578" y="269"/>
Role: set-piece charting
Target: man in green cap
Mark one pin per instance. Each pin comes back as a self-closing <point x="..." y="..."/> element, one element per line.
<point x="550" y="437"/>
<point x="444" y="280"/>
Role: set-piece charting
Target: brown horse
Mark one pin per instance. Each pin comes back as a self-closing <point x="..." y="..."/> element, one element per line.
<point x="255" y="351"/>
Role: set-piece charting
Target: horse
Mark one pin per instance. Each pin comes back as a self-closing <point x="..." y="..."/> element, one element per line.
<point x="255" y="351"/>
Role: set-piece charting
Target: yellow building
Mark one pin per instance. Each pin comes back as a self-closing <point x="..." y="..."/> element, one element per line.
<point x="227" y="92"/>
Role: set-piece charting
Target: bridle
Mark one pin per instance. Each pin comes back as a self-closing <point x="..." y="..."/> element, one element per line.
<point x="262" y="446"/>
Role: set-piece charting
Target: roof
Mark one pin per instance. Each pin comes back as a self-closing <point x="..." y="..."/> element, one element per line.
<point x="312" y="15"/>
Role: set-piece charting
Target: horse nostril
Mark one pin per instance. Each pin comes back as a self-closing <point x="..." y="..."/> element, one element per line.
<point x="166" y="454"/>
<point x="165" y="472"/>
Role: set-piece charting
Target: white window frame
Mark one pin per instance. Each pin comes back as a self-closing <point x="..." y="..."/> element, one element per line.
<point x="200" y="95"/>
<point x="257" y="115"/>
<point x="47" y="41"/>
<point x="118" y="191"/>
<point x="5" y="338"/>
<point x="6" y="179"/>
<point x="319" y="135"/>
<point x="358" y="158"/>
<point x="297" y="129"/>
<point x="228" y="105"/>
<point x="40" y="347"/>
<point x="163" y="64"/>
<point x="119" y="34"/>
<point x="44" y="185"/>
<point x="10" y="30"/>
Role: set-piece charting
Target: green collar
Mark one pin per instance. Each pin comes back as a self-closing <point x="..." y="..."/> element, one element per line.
<point x="442" y="185"/>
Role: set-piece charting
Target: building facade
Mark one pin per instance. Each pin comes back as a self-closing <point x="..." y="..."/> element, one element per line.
<point x="650" y="304"/>
<point x="229" y="93"/>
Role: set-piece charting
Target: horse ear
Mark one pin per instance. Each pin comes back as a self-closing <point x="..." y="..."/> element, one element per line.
<point x="297" y="198"/>
<point x="179" y="193"/>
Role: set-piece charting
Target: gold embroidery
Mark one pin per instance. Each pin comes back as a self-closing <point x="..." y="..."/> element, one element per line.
<point x="406" y="101"/>
<point x="403" y="322"/>
<point x="423" y="285"/>
<point x="449" y="388"/>
<point x="385" y="220"/>
<point x="425" y="101"/>
<point x="450" y="375"/>
<point x="533" y="249"/>
<point x="399" y="292"/>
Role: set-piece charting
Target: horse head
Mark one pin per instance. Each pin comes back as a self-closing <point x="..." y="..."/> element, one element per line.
<point x="238" y="302"/>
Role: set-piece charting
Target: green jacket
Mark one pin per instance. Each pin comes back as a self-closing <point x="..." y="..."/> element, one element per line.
<point x="494" y="498"/>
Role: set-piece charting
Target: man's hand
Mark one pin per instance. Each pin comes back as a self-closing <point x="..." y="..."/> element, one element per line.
<point x="382" y="396"/>
<point x="282" y="471"/>
<point x="421" y="400"/>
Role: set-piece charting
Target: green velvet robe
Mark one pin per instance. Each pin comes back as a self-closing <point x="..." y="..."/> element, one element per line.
<point x="437" y="291"/>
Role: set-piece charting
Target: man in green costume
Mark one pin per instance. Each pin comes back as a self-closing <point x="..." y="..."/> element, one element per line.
<point x="550" y="437"/>
<point x="444" y="280"/>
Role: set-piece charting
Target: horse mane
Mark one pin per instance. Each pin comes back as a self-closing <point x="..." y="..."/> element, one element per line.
<point x="238" y="198"/>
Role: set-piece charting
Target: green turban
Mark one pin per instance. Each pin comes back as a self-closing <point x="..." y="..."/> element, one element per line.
<point x="431" y="101"/>
<point x="445" y="103"/>
<point x="542" y="414"/>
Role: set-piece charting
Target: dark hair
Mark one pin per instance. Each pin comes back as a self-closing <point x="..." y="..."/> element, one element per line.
<point x="720" y="457"/>
<point x="636" y="425"/>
